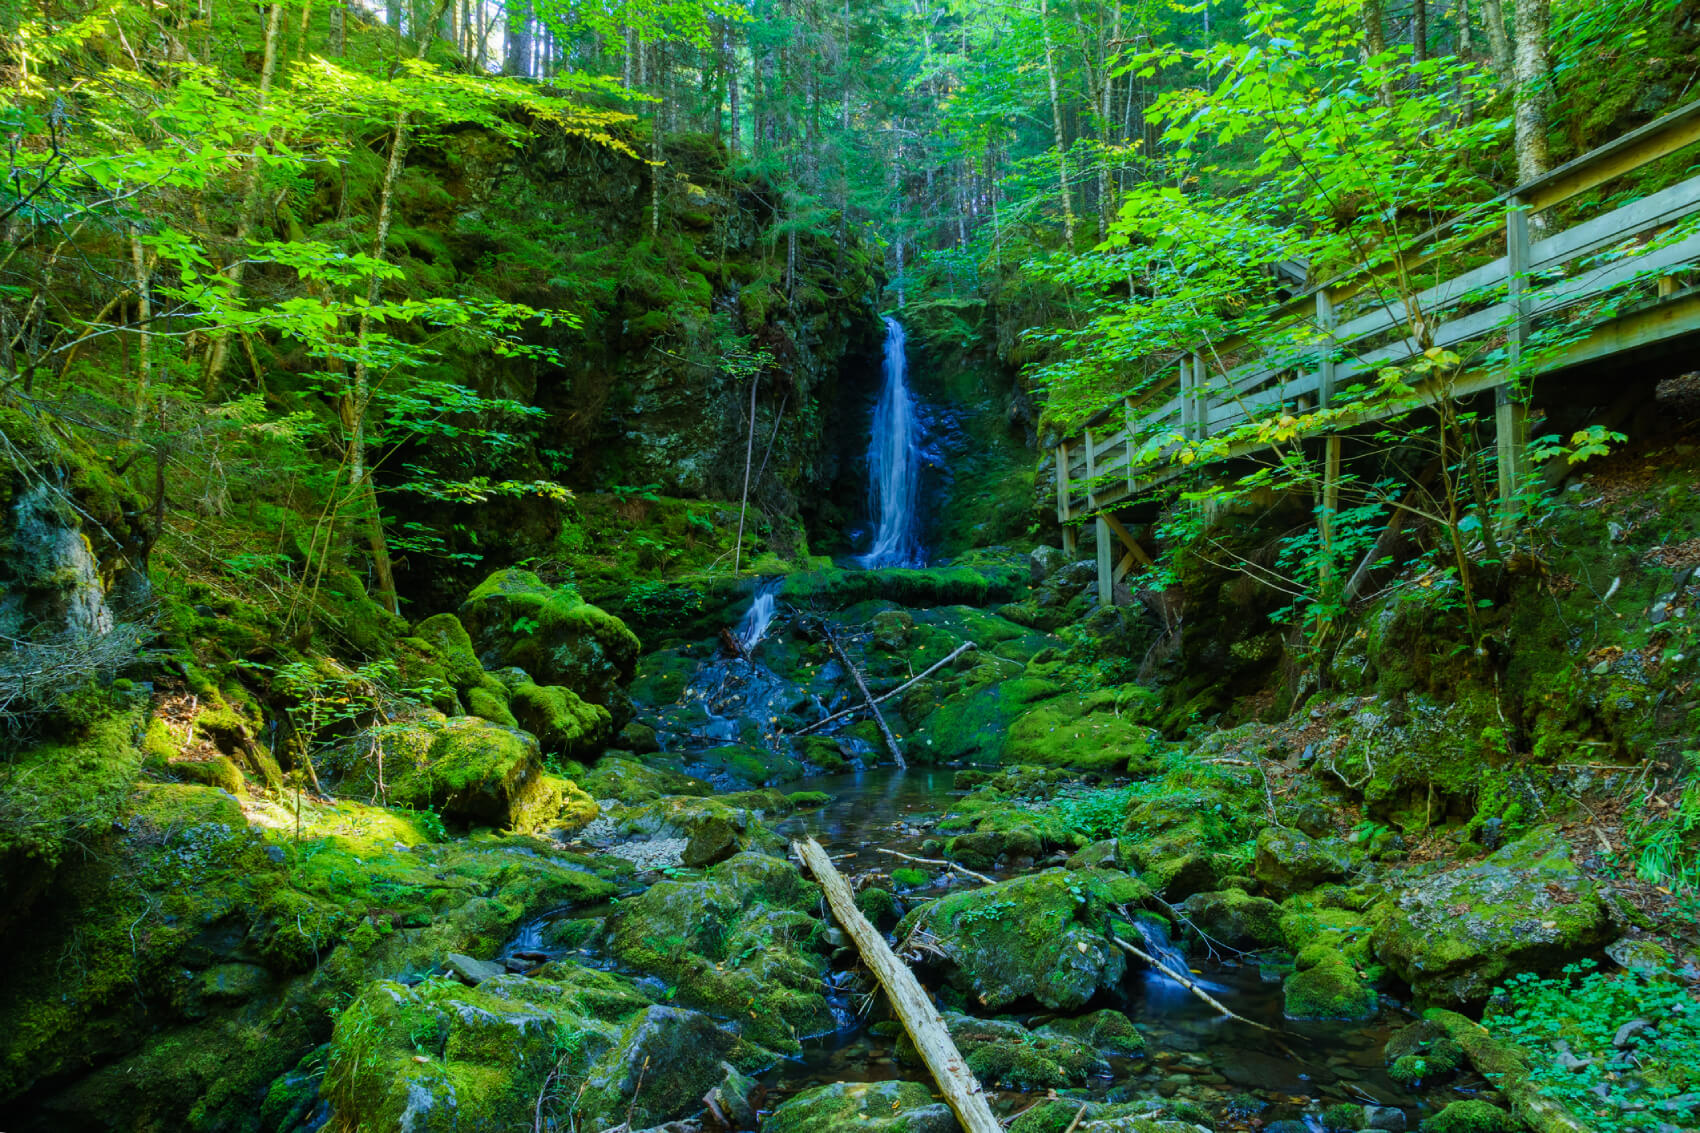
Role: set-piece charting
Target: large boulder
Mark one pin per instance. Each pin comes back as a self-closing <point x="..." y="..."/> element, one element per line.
<point x="1288" y="862"/>
<point x="665" y="1060"/>
<point x="868" y="1107"/>
<point x="1457" y="933"/>
<point x="741" y="941"/>
<point x="564" y="725"/>
<point x="477" y="772"/>
<point x="514" y="618"/>
<point x="1044" y="937"/>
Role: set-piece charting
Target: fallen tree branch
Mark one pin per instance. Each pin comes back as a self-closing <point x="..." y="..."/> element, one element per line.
<point x="885" y="696"/>
<point x="873" y="706"/>
<point x="1187" y="983"/>
<point x="964" y="870"/>
<point x="920" y="1018"/>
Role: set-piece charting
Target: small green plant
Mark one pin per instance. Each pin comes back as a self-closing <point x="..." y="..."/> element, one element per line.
<point x="1636" y="1085"/>
<point x="527" y="626"/>
<point x="990" y="913"/>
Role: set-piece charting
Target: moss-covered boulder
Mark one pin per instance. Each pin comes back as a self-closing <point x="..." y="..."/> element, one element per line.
<point x="741" y="941"/>
<point x="1471" y="1115"/>
<point x="1288" y="862"/>
<point x="1236" y="919"/>
<point x="1422" y="1054"/>
<point x="1044" y="937"/>
<point x="1328" y="989"/>
<point x="443" y="1056"/>
<point x="1084" y="731"/>
<point x="514" y="618"/>
<point x="565" y="726"/>
<point x="1003" y="1053"/>
<point x="873" y="1107"/>
<point x="1456" y="933"/>
<point x="624" y="779"/>
<point x="479" y="773"/>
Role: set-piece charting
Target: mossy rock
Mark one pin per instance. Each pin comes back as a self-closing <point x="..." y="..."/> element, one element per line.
<point x="1422" y="1053"/>
<point x="514" y="618"/>
<point x="1108" y="1031"/>
<point x="934" y="586"/>
<point x="480" y="773"/>
<point x="1083" y="731"/>
<point x="1328" y="990"/>
<point x="1288" y="862"/>
<point x="1044" y="937"/>
<point x="1457" y="933"/>
<point x="1230" y="917"/>
<point x="451" y="646"/>
<point x="564" y="725"/>
<point x="623" y="779"/>
<point x="879" y="906"/>
<point x="1471" y="1116"/>
<point x="741" y="941"/>
<point x="489" y="700"/>
<point x="875" y="1107"/>
<point x="663" y="1062"/>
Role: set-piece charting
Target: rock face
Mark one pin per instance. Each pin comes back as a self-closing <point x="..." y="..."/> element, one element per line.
<point x="1456" y="934"/>
<point x="1044" y="937"/>
<point x="876" y="1107"/>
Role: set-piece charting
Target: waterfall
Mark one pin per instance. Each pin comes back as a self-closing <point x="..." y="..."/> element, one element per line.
<point x="894" y="462"/>
<point x="760" y="614"/>
<point x="1157" y="942"/>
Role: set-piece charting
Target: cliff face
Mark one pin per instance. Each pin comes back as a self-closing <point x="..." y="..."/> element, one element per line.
<point x="680" y="306"/>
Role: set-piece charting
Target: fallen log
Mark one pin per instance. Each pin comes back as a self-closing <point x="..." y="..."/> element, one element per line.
<point x="867" y="697"/>
<point x="1181" y="979"/>
<point x="885" y="696"/>
<point x="946" y="1064"/>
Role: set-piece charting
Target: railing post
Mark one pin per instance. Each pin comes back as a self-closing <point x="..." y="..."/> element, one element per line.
<point x="1127" y="441"/>
<point x="1510" y="416"/>
<point x="1091" y="473"/>
<point x="1325" y="322"/>
<point x="1200" y="400"/>
<point x="1063" y="515"/>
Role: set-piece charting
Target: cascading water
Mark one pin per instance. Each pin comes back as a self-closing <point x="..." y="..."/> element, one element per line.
<point x="894" y="462"/>
<point x="760" y="614"/>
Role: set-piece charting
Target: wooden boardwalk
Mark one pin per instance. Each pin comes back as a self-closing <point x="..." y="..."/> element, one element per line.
<point x="1349" y="327"/>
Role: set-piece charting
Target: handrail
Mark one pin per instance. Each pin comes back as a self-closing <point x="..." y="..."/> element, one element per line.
<point x="1659" y="138"/>
<point x="1281" y="378"/>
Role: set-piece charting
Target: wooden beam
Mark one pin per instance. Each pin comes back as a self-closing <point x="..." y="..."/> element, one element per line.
<point x="908" y="998"/>
<point x="1126" y="566"/>
<point x="1658" y="138"/>
<point x="1126" y="536"/>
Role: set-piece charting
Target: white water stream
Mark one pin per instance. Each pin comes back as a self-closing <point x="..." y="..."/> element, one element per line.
<point x="894" y="463"/>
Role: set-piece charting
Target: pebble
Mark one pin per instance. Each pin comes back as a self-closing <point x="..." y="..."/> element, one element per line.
<point x="657" y="853"/>
<point x="1384" y="1118"/>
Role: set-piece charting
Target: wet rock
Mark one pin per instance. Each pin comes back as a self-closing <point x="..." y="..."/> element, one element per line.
<point x="663" y="1063"/>
<point x="879" y="906"/>
<point x="1045" y="936"/>
<point x="1456" y="934"/>
<point x="1232" y="918"/>
<point x="733" y="1101"/>
<point x="1108" y="1031"/>
<point x="1288" y="862"/>
<point x="471" y="972"/>
<point x="870" y="1107"/>
<point x="1639" y="954"/>
<point x="1384" y="1118"/>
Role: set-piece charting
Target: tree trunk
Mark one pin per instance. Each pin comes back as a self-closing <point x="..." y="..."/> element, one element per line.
<point x="1419" y="29"/>
<point x="1493" y="17"/>
<point x="144" y="316"/>
<point x="1533" y="75"/>
<point x="250" y="204"/>
<point x="1057" y="126"/>
<point x="516" y="57"/>
<point x="1375" y="41"/>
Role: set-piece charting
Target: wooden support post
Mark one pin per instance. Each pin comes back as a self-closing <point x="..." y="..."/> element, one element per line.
<point x="1330" y="500"/>
<point x="1106" y="563"/>
<point x="1186" y="396"/>
<point x="908" y="998"/>
<point x="1127" y="442"/>
<point x="1325" y="370"/>
<point x="1200" y="398"/>
<point x="1132" y="544"/>
<point x="1510" y="415"/>
<point x="1064" y="511"/>
<point x="1091" y="472"/>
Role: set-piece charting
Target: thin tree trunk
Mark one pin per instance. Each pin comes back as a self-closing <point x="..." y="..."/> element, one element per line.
<point x="1419" y="29"/>
<point x="1533" y="75"/>
<point x="144" y="340"/>
<point x="220" y="349"/>
<point x="1057" y="125"/>
<point x="516" y="56"/>
<point x="1375" y="41"/>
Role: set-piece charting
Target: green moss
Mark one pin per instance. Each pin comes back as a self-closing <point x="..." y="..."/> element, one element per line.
<point x="879" y="906"/>
<point x="1328" y="990"/>
<point x="905" y="877"/>
<point x="876" y="1107"/>
<point x="1471" y="1116"/>
<point x="477" y="772"/>
<point x="564" y="725"/>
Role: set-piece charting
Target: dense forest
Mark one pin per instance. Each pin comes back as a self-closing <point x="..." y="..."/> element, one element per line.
<point x="810" y="565"/>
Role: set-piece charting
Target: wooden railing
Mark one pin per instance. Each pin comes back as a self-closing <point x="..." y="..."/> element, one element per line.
<point x="1348" y="327"/>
